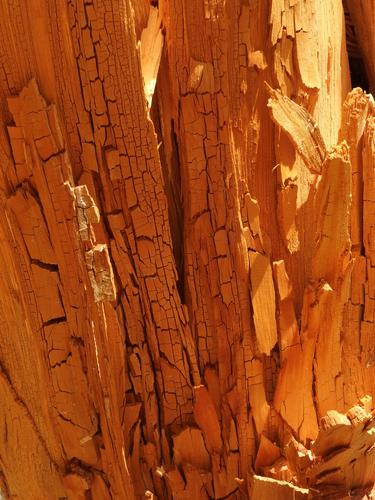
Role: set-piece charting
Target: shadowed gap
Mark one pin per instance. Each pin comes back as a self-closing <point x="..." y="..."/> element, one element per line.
<point x="358" y="73"/>
<point x="170" y="165"/>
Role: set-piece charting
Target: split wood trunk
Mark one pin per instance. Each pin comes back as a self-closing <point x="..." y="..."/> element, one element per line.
<point x="187" y="249"/>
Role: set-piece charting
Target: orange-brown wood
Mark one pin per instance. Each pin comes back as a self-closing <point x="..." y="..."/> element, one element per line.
<point x="187" y="232"/>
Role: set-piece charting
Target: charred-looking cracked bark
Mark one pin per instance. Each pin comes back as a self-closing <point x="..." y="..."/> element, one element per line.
<point x="187" y="287"/>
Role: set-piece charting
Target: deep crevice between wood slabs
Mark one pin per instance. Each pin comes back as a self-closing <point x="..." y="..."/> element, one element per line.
<point x="172" y="186"/>
<point x="358" y="72"/>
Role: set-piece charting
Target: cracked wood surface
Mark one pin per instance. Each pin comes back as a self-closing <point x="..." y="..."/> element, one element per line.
<point x="187" y="287"/>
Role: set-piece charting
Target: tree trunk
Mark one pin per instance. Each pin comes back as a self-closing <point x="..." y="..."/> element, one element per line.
<point x="187" y="283"/>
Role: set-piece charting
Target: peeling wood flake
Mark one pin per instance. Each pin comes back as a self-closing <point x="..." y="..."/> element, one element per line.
<point x="301" y="129"/>
<point x="263" y="298"/>
<point x="332" y="217"/>
<point x="100" y="273"/>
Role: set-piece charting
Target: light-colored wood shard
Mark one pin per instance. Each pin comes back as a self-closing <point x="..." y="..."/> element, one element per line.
<point x="293" y="395"/>
<point x="287" y="322"/>
<point x="100" y="273"/>
<point x="264" y="488"/>
<point x="263" y="298"/>
<point x="332" y="205"/>
<point x="301" y="129"/>
<point x="151" y="46"/>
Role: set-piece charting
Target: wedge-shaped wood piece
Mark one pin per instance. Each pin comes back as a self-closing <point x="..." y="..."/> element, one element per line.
<point x="206" y="417"/>
<point x="294" y="390"/>
<point x="267" y="454"/>
<point x="189" y="448"/>
<point x="287" y="322"/>
<point x="263" y="298"/>
<point x="336" y="431"/>
<point x="332" y="206"/>
<point x="301" y="129"/>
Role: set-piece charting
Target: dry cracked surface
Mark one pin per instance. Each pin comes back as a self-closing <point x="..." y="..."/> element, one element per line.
<point x="187" y="242"/>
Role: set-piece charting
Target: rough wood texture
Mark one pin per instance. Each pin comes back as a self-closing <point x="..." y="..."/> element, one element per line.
<point x="187" y="227"/>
